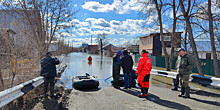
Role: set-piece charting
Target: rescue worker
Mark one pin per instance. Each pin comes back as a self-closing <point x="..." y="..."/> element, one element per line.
<point x="184" y="67"/>
<point x="143" y="70"/>
<point x="127" y="64"/>
<point x="48" y="71"/>
<point x="116" y="69"/>
<point x="90" y="59"/>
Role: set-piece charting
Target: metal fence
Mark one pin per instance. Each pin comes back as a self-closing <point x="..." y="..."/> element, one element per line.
<point x="159" y="61"/>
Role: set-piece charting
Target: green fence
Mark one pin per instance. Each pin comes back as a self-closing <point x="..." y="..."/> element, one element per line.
<point x="159" y="61"/>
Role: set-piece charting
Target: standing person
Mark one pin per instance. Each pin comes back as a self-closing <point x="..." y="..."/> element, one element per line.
<point x="127" y="64"/>
<point x="116" y="69"/>
<point x="48" y="71"/>
<point x="143" y="70"/>
<point x="176" y="81"/>
<point x="184" y="67"/>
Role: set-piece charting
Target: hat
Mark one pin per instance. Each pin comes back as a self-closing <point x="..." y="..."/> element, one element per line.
<point x="119" y="52"/>
<point x="181" y="49"/>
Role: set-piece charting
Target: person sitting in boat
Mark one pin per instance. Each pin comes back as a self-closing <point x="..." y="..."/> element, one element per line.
<point x="90" y="59"/>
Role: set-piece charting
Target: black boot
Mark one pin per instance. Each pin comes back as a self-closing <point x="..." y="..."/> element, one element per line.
<point x="143" y="92"/>
<point x="146" y="90"/>
<point x="182" y="92"/>
<point x="187" y="95"/>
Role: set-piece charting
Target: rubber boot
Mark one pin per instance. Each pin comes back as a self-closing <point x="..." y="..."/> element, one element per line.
<point x="146" y="90"/>
<point x="143" y="93"/>
<point x="187" y="95"/>
<point x="175" y="84"/>
<point x="182" y="92"/>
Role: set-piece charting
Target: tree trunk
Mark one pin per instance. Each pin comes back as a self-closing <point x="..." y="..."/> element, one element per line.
<point x="2" y="82"/>
<point x="192" y="42"/>
<point x="161" y="34"/>
<point x="185" y="39"/>
<point x="172" y="36"/>
<point x="101" y="47"/>
<point x="215" y="61"/>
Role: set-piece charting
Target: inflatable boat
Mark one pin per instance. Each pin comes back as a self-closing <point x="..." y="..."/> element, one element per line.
<point x="85" y="82"/>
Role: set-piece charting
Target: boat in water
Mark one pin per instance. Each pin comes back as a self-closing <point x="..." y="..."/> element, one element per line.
<point x="85" y="82"/>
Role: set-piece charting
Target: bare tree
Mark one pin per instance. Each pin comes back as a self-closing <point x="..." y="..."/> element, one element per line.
<point x="34" y="22"/>
<point x="190" y="32"/>
<point x="215" y="60"/>
<point x="159" y="6"/>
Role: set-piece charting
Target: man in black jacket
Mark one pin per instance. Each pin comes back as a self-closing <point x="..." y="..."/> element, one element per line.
<point x="48" y="71"/>
<point x="127" y="64"/>
<point x="116" y="69"/>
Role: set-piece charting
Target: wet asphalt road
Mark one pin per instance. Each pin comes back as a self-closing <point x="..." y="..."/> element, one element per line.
<point x="160" y="94"/>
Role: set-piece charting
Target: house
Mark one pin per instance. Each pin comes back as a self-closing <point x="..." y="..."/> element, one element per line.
<point x="92" y="49"/>
<point x="7" y="33"/>
<point x="152" y="43"/>
<point x="204" y="49"/>
<point x="7" y="38"/>
<point x="27" y="25"/>
<point x="133" y="49"/>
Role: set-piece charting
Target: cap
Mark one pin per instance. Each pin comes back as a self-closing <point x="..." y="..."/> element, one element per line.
<point x="181" y="49"/>
<point x="119" y="52"/>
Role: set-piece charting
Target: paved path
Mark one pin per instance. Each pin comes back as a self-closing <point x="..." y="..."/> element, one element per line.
<point x="109" y="98"/>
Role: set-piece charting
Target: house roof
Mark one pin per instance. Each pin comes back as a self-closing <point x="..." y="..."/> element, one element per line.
<point x="155" y="33"/>
<point x="133" y="48"/>
<point x="4" y="30"/>
<point x="112" y="46"/>
<point x="204" y="46"/>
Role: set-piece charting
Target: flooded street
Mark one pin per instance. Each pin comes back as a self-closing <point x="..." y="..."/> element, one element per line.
<point x="108" y="98"/>
<point x="77" y="64"/>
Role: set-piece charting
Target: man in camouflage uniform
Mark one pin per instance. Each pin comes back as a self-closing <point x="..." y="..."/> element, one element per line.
<point x="184" y="67"/>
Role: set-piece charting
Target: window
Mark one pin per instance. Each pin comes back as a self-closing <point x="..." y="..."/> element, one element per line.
<point x="142" y="41"/>
<point x="166" y="38"/>
<point x="148" y="40"/>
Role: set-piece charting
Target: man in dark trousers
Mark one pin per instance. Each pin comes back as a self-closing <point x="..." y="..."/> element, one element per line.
<point x="116" y="69"/>
<point x="127" y="64"/>
<point x="184" y="69"/>
<point x="48" y="71"/>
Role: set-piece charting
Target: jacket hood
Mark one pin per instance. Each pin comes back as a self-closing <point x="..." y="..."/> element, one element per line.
<point x="144" y="55"/>
<point x="125" y="52"/>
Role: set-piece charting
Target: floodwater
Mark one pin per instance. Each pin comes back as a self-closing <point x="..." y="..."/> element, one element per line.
<point x="77" y="64"/>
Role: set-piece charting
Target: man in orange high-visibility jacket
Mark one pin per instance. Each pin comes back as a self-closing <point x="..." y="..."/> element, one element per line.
<point x="143" y="70"/>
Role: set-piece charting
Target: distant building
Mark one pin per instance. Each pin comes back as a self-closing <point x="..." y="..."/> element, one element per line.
<point x="92" y="49"/>
<point x="204" y="49"/>
<point x="133" y="49"/>
<point x="152" y="43"/>
<point x="84" y="45"/>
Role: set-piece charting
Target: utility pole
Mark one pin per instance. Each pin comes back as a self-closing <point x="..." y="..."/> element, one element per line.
<point x="91" y="39"/>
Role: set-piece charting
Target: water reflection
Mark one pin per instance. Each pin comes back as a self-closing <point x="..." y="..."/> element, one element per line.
<point x="79" y="65"/>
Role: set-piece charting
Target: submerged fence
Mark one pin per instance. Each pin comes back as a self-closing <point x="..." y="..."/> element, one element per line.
<point x="159" y="61"/>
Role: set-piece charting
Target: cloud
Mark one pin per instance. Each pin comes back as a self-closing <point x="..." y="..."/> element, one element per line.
<point x="98" y="23"/>
<point x="129" y="27"/>
<point x="83" y="31"/>
<point x="120" y="7"/>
